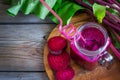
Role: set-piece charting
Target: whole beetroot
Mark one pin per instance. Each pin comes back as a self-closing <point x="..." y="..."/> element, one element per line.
<point x="57" y="44"/>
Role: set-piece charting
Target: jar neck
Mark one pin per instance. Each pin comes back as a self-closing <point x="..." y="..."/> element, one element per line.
<point x="89" y="52"/>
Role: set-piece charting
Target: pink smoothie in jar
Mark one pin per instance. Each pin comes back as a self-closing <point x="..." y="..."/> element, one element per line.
<point x="89" y="45"/>
<point x="92" y="40"/>
<point x="89" y="48"/>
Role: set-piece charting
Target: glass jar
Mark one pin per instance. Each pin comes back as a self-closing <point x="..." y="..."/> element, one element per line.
<point x="90" y="45"/>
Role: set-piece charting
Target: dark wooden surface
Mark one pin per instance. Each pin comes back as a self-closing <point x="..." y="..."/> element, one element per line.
<point x="22" y="39"/>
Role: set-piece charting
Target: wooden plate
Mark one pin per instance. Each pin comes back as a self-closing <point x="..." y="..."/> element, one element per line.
<point x="100" y="73"/>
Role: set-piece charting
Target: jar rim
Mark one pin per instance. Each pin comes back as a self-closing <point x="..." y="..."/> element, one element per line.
<point x="101" y="49"/>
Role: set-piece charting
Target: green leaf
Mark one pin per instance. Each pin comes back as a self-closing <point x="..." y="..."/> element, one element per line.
<point x="57" y="5"/>
<point x="118" y="1"/>
<point x="113" y="11"/>
<point x="64" y="8"/>
<point x="99" y="11"/>
<point x="66" y="11"/>
<point x="14" y="10"/>
<point x="115" y="41"/>
<point x="30" y="6"/>
<point x="41" y="11"/>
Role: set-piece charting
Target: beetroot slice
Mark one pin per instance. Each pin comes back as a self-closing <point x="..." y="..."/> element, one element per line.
<point x="66" y="74"/>
<point x="59" y="62"/>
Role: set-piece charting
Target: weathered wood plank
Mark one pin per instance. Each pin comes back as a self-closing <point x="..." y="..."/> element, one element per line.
<point x="20" y="18"/>
<point x="21" y="47"/>
<point x="23" y="76"/>
<point x="21" y="59"/>
<point x="18" y="44"/>
<point x="21" y="56"/>
<point x="30" y="32"/>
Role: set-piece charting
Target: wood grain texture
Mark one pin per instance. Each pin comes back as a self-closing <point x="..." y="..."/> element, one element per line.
<point x="23" y="76"/>
<point x="21" y="46"/>
<point x="29" y="32"/>
<point x="20" y="18"/>
<point x="100" y="73"/>
<point x="22" y="39"/>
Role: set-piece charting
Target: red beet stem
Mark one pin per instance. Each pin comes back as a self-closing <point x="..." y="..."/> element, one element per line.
<point x="113" y="17"/>
<point x="117" y="36"/>
<point x="115" y="51"/>
<point x="111" y="25"/>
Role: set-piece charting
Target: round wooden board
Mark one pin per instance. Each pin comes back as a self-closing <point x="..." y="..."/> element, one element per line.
<point x="100" y="73"/>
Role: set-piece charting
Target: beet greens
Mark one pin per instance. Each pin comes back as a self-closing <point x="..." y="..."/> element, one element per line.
<point x="106" y="12"/>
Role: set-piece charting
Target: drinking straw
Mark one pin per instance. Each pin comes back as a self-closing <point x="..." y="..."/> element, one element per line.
<point x="69" y="31"/>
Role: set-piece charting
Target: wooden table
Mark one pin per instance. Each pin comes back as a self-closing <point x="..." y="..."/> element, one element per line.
<point x="22" y="39"/>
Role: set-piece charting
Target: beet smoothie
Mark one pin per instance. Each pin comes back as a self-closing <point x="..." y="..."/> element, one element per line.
<point x="87" y="49"/>
<point x="92" y="40"/>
